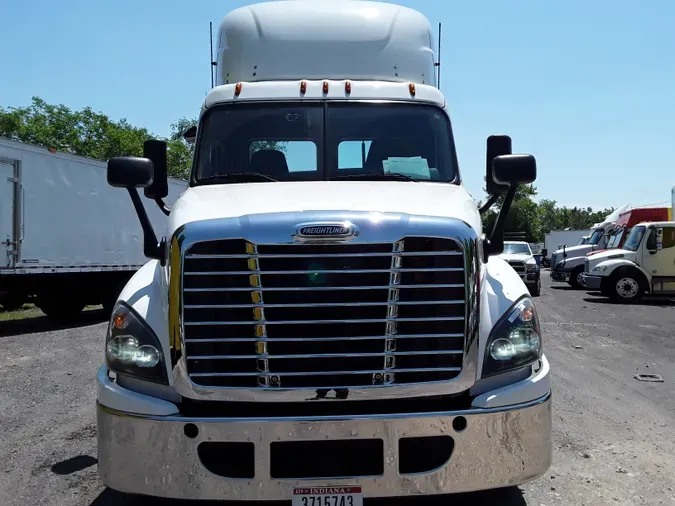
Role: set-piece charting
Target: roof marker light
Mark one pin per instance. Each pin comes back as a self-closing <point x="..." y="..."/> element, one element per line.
<point x="348" y="87"/>
<point x="237" y="89"/>
<point x="303" y="87"/>
<point x="411" y="87"/>
<point x="325" y="87"/>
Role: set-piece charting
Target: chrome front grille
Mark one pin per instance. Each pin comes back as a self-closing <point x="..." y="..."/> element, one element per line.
<point x="519" y="267"/>
<point x="309" y="316"/>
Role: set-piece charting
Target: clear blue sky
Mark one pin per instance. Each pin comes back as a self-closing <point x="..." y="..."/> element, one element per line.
<point x="588" y="87"/>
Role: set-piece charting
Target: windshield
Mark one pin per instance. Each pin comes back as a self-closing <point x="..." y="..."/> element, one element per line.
<point x="615" y="238"/>
<point x="313" y="142"/>
<point x="634" y="239"/>
<point x="596" y="236"/>
<point x="517" y="248"/>
<point x="584" y="240"/>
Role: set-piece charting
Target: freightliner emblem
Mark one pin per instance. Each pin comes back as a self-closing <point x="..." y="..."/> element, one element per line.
<point x="340" y="231"/>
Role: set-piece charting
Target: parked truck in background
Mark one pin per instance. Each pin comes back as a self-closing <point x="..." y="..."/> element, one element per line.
<point x="556" y="239"/>
<point x="617" y="233"/>
<point x="67" y="238"/>
<point x="567" y="262"/>
<point x="519" y="255"/>
<point x="645" y="264"/>
<point x="323" y="320"/>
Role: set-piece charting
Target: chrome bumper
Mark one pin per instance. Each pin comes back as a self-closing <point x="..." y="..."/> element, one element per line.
<point x="153" y="456"/>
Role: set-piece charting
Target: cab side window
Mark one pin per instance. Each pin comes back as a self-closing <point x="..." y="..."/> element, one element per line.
<point x="651" y="240"/>
<point x="668" y="237"/>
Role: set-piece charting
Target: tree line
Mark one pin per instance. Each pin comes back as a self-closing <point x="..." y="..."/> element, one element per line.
<point x="93" y="134"/>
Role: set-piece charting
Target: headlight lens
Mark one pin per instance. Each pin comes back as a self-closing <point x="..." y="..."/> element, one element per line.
<point x="132" y="348"/>
<point x="600" y="268"/>
<point x="515" y="341"/>
<point x="531" y="267"/>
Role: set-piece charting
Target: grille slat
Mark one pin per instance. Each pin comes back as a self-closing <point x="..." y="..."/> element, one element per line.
<point x="323" y="316"/>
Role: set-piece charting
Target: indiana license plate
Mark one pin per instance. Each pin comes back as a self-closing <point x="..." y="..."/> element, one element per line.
<point x="328" y="496"/>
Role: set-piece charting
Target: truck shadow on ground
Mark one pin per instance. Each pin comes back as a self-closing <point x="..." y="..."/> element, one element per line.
<point x="512" y="496"/>
<point x="596" y="298"/>
<point x="43" y="324"/>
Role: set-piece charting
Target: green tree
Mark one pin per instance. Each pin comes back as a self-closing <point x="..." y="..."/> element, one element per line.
<point x="84" y="133"/>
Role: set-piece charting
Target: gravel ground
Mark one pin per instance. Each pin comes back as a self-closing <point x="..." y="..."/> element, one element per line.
<point x="614" y="437"/>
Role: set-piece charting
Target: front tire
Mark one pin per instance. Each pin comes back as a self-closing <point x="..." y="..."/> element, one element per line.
<point x="625" y="287"/>
<point x="64" y="308"/>
<point x="575" y="277"/>
<point x="535" y="291"/>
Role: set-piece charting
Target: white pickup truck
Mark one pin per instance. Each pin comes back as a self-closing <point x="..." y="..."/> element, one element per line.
<point x="323" y="320"/>
<point x="518" y="255"/>
<point x="645" y="264"/>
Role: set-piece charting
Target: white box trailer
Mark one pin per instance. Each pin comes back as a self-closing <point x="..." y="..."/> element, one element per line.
<point x="67" y="237"/>
<point x="556" y="239"/>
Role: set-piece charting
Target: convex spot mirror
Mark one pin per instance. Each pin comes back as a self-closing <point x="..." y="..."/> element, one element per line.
<point x="514" y="169"/>
<point x="130" y="172"/>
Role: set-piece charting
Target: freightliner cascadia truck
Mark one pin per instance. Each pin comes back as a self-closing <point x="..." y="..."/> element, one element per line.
<point x="323" y="319"/>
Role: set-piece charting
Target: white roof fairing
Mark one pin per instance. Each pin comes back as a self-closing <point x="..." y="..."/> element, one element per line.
<point x="327" y="39"/>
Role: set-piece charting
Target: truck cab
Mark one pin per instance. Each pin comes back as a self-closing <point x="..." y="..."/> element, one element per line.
<point x="645" y="264"/>
<point x="567" y="264"/>
<point x="323" y="319"/>
<point x="519" y="255"/>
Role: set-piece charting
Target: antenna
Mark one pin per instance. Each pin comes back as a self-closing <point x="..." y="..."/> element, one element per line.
<point x="211" y="62"/>
<point x="438" y="63"/>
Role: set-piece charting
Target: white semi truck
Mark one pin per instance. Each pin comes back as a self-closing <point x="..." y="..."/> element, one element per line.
<point x="67" y="239"/>
<point x="322" y="320"/>
<point x="644" y="265"/>
<point x="567" y="264"/>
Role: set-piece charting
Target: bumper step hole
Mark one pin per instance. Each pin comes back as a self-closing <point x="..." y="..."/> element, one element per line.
<point x="423" y="454"/>
<point x="230" y="460"/>
<point x="191" y="430"/>
<point x="327" y="459"/>
<point x="459" y="423"/>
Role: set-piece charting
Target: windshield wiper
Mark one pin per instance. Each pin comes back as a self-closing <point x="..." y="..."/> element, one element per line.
<point x="239" y="177"/>
<point x="374" y="177"/>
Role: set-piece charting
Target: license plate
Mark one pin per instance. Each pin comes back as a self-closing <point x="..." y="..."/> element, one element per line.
<point x="328" y="496"/>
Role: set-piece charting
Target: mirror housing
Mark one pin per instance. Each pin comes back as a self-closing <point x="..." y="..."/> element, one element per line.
<point x="155" y="151"/>
<point x="190" y="135"/>
<point x="508" y="170"/>
<point x="497" y="145"/>
<point x="130" y="172"/>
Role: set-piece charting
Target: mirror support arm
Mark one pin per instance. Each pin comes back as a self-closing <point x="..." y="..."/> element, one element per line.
<point x="485" y="207"/>
<point x="164" y="208"/>
<point x="151" y="248"/>
<point x="495" y="244"/>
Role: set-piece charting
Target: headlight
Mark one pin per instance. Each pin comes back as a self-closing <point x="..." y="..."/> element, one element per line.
<point x="600" y="268"/>
<point x="515" y="341"/>
<point x="531" y="267"/>
<point x="132" y="348"/>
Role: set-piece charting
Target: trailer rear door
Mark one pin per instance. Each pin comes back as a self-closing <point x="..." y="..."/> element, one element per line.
<point x="8" y="239"/>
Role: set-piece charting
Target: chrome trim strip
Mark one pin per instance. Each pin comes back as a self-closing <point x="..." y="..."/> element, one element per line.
<point x="314" y="322"/>
<point x="277" y="229"/>
<point x="316" y="373"/>
<point x="327" y="255"/>
<point x="324" y="304"/>
<point x="393" y="270"/>
<point x="330" y="355"/>
<point x="309" y="289"/>
<point x="293" y="339"/>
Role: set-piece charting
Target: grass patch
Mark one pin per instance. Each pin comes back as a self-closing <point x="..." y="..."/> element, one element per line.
<point x="28" y="311"/>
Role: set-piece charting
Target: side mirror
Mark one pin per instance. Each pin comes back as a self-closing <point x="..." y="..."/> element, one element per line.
<point x="130" y="172"/>
<point x="510" y="170"/>
<point x="190" y="135"/>
<point x="497" y="145"/>
<point x="155" y="151"/>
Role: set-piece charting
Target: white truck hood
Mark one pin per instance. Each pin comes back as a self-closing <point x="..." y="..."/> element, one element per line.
<point x="518" y="257"/>
<point x="610" y="254"/>
<point x="574" y="251"/>
<point x="235" y="200"/>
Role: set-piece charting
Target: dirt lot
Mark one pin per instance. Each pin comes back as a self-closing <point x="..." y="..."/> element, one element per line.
<point x="613" y="435"/>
